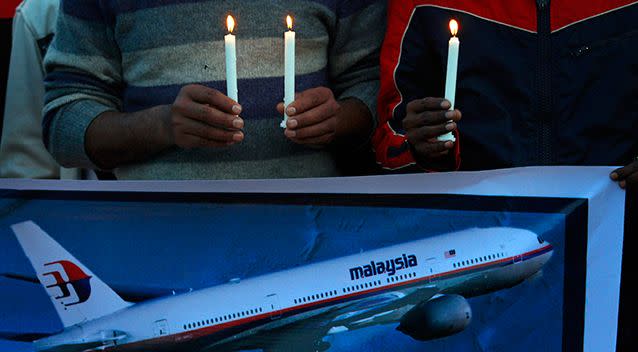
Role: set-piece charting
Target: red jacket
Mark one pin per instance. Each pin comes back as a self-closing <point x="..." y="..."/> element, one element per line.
<point x="8" y="8"/>
<point x="537" y="84"/>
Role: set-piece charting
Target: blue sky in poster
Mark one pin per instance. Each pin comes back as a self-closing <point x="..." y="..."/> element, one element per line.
<point x="181" y="245"/>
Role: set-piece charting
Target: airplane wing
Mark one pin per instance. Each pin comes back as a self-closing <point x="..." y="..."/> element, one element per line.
<point x="363" y="311"/>
<point x="477" y="282"/>
<point x="306" y="334"/>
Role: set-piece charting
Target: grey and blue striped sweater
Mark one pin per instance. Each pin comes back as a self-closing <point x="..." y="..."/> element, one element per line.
<point x="129" y="55"/>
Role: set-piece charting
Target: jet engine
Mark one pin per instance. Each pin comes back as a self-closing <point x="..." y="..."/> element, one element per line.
<point x="438" y="317"/>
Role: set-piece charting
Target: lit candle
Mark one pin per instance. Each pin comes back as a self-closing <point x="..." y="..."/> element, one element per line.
<point x="289" y="67"/>
<point x="450" y="77"/>
<point x="231" y="60"/>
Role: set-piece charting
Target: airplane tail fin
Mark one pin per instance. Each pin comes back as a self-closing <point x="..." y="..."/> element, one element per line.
<point x="76" y="293"/>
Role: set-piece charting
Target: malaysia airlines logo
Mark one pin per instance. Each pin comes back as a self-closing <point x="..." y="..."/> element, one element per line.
<point x="389" y="266"/>
<point x="77" y="279"/>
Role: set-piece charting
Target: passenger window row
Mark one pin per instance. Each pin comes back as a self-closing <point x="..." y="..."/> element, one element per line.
<point x="362" y="286"/>
<point x="482" y="259"/>
<point x="222" y="318"/>
<point x="316" y="297"/>
<point x="378" y="283"/>
<point x="400" y="277"/>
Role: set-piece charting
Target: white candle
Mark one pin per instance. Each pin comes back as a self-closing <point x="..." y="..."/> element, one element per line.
<point x="231" y="60"/>
<point x="289" y="67"/>
<point x="450" y="77"/>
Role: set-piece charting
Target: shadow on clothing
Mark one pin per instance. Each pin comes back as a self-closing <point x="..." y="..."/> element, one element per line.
<point x="5" y="51"/>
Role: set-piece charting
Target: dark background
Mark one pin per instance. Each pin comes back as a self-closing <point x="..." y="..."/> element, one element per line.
<point x="627" y="332"/>
<point x="5" y="49"/>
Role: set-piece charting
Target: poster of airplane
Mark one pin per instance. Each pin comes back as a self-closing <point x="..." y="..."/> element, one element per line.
<point x="298" y="275"/>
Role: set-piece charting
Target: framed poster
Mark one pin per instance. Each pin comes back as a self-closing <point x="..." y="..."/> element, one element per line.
<point x="322" y="264"/>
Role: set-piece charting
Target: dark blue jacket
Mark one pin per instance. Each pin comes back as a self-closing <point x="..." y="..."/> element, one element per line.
<point x="538" y="83"/>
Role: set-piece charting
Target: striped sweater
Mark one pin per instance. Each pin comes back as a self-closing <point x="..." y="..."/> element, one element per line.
<point x="129" y="55"/>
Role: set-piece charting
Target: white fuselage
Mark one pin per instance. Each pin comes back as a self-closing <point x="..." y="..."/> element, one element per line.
<point x="497" y="257"/>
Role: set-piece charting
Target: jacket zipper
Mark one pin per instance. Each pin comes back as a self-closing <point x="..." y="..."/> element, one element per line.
<point x="545" y="138"/>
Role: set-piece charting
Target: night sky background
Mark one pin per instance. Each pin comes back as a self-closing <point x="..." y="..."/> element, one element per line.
<point x="200" y="244"/>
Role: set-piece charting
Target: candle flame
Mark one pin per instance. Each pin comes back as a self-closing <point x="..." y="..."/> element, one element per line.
<point x="289" y="22"/>
<point x="230" y="22"/>
<point x="454" y="27"/>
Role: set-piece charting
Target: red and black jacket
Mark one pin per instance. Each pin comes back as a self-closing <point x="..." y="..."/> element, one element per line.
<point x="8" y="8"/>
<point x="539" y="83"/>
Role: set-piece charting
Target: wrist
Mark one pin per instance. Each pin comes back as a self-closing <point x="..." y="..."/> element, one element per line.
<point x="446" y="162"/>
<point x="354" y="122"/>
<point x="165" y="134"/>
<point x="115" y="138"/>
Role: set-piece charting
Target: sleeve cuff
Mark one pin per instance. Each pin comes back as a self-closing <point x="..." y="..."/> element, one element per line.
<point x="68" y="131"/>
<point x="367" y="93"/>
<point x="455" y="162"/>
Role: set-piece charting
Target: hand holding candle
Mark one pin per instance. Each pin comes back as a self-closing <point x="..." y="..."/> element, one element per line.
<point x="313" y="117"/>
<point x="203" y="117"/>
<point x="429" y="122"/>
<point x="425" y="120"/>
<point x="450" y="78"/>
<point x="231" y="60"/>
<point x="289" y="68"/>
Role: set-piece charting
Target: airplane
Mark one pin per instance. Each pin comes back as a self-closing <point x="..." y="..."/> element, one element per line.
<point x="421" y="285"/>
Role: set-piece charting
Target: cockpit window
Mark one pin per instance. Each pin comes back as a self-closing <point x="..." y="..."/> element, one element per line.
<point x="540" y="239"/>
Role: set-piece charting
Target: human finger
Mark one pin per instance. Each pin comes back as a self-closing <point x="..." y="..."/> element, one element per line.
<point x="209" y="115"/>
<point x="212" y="97"/>
<point x="431" y="150"/>
<point x="280" y="108"/>
<point x="313" y="116"/>
<point x="319" y="129"/>
<point x="431" y="118"/>
<point x="185" y="126"/>
<point x="309" y="99"/>
<point x="428" y="103"/>
<point x="190" y="141"/>
<point x="428" y="132"/>
<point x="623" y="172"/>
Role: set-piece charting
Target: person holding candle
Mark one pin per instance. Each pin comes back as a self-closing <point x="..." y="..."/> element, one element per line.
<point x="144" y="93"/>
<point x="537" y="84"/>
